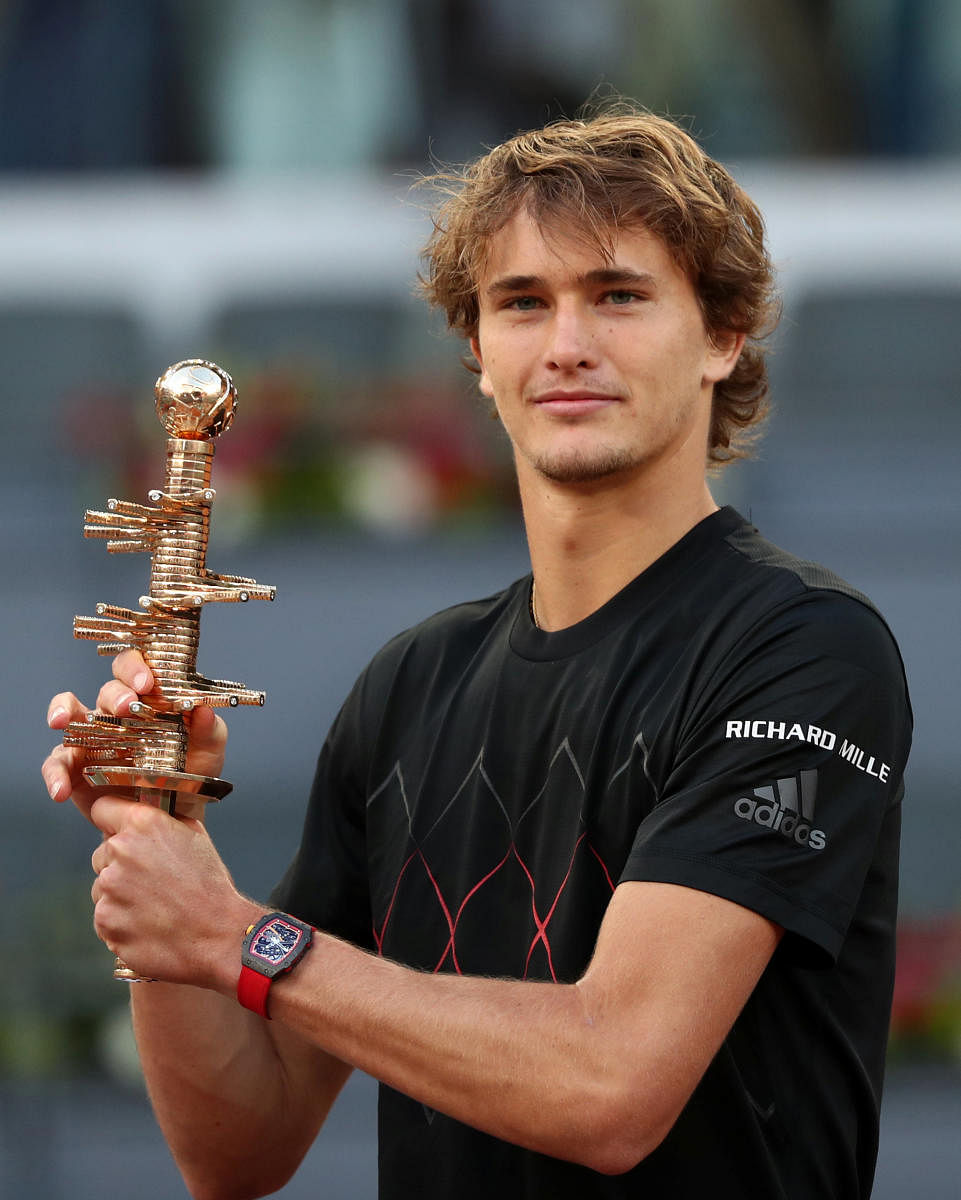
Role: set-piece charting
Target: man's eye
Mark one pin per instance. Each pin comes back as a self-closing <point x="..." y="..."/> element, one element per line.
<point x="621" y="297"/>
<point x="524" y="303"/>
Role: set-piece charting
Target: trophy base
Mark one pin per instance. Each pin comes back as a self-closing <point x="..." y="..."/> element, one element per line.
<point x="176" y="792"/>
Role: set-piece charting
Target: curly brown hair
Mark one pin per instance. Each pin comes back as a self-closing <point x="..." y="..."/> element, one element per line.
<point x="620" y="168"/>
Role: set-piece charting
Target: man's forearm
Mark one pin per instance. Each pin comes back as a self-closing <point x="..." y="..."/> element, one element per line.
<point x="523" y="1061"/>
<point x="595" y="1072"/>
<point x="219" y="1081"/>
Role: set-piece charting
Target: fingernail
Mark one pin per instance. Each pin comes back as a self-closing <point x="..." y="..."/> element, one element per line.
<point x="55" y="789"/>
<point x="56" y="715"/>
<point x="142" y="681"/>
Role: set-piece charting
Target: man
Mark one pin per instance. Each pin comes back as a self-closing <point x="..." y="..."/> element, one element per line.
<point x="603" y="867"/>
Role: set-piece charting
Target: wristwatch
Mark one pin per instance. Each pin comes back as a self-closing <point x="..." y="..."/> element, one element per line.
<point x="272" y="946"/>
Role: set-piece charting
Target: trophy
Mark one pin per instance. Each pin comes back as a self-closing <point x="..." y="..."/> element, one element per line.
<point x="144" y="755"/>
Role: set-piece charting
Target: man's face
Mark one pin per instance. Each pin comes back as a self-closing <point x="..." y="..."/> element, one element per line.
<point x="599" y="369"/>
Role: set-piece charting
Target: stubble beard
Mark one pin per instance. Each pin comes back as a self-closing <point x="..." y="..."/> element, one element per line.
<point x="579" y="466"/>
<point x="591" y="464"/>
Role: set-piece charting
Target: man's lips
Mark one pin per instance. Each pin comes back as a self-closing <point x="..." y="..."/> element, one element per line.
<point x="570" y="404"/>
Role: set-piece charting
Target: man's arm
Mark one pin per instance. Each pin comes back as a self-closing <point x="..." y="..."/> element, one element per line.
<point x="595" y="1072"/>
<point x="239" y="1100"/>
<point x="224" y="1083"/>
<point x="221" y="1079"/>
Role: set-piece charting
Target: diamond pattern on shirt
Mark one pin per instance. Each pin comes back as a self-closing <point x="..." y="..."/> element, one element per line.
<point x="483" y="879"/>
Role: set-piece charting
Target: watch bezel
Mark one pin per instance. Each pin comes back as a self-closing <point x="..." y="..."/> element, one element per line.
<point x="264" y="966"/>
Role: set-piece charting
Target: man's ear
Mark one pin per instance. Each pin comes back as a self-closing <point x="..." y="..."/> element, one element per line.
<point x="726" y="347"/>
<point x="483" y="382"/>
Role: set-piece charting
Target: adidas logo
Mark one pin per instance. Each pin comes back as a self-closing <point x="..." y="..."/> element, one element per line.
<point x="787" y="807"/>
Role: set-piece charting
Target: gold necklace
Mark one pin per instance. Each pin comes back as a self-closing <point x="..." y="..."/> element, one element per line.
<point x="533" y="608"/>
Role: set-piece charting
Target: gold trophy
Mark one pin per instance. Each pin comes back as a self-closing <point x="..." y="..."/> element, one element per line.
<point x="144" y="755"/>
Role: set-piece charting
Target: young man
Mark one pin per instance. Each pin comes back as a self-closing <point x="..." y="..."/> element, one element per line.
<point x="603" y="868"/>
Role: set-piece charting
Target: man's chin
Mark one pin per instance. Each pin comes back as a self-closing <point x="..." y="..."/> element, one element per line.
<point x="580" y="467"/>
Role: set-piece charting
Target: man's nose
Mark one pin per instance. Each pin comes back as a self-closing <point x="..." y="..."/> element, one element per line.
<point x="571" y="342"/>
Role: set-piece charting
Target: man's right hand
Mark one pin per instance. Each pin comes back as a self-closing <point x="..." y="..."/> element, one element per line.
<point x="62" y="769"/>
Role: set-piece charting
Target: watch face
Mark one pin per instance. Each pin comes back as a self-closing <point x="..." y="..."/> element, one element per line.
<point x="276" y="941"/>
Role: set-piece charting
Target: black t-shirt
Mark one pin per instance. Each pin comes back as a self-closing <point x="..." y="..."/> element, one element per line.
<point x="736" y="721"/>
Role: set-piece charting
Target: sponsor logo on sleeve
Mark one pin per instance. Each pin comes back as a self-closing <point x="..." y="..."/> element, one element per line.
<point x="786" y="807"/>
<point x="814" y="735"/>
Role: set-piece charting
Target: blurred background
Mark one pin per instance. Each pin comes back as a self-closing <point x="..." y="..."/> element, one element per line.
<point x="232" y="180"/>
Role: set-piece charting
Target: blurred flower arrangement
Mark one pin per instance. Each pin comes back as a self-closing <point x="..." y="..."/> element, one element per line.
<point x="395" y="455"/>
<point x="926" y="1015"/>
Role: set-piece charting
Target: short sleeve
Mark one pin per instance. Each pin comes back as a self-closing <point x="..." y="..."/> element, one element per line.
<point x="786" y="769"/>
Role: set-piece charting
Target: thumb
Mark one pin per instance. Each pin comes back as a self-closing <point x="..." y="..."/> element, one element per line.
<point x="208" y="741"/>
<point x="205" y="725"/>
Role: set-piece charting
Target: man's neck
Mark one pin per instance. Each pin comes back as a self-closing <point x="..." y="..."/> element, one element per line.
<point x="588" y="541"/>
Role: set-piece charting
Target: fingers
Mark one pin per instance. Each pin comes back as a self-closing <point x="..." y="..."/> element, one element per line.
<point x="64" y="708"/>
<point x="60" y="769"/>
<point x="132" y="679"/>
<point x="115" y="698"/>
<point x="110" y="814"/>
<point x="208" y="742"/>
<point x="100" y="857"/>
<point x="208" y="731"/>
<point x="106" y="891"/>
<point x="129" y="668"/>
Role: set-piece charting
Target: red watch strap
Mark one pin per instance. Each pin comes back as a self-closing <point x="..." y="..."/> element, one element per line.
<point x="252" y="991"/>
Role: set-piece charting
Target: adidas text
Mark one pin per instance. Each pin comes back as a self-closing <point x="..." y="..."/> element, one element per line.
<point x="786" y="808"/>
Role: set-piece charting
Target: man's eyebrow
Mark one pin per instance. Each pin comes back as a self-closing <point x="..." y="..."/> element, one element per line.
<point x="514" y="283"/>
<point x="619" y="275"/>
<point x="511" y="284"/>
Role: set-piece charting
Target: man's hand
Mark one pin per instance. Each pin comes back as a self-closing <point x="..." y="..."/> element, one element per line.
<point x="159" y="879"/>
<point x="62" y="770"/>
<point x="163" y="899"/>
